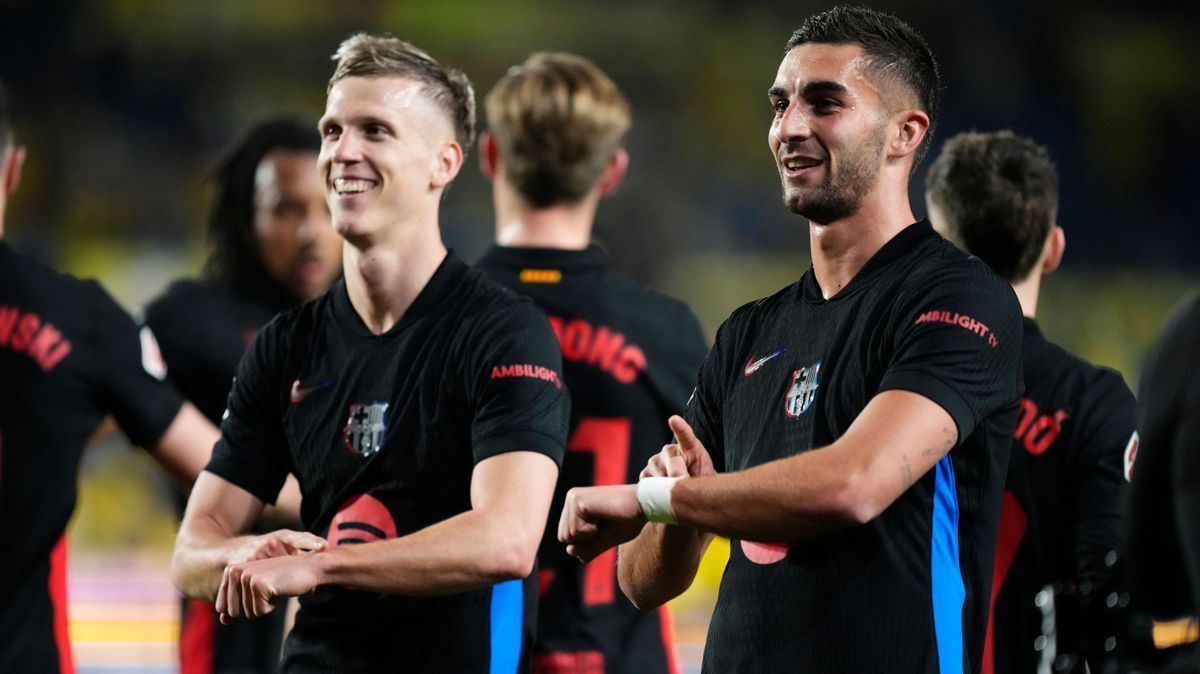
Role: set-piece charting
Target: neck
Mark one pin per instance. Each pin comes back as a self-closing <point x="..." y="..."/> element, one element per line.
<point x="563" y="226"/>
<point x="1027" y="293"/>
<point x="841" y="248"/>
<point x="384" y="278"/>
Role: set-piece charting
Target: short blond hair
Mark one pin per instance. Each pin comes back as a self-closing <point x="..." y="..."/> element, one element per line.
<point x="366" y="55"/>
<point x="557" y="119"/>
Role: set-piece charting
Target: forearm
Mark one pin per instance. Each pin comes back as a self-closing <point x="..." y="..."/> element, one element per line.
<point x="790" y="499"/>
<point x="660" y="564"/>
<point x="470" y="550"/>
<point x="202" y="551"/>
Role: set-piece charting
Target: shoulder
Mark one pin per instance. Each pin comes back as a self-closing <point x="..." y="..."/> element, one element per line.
<point x="488" y="304"/>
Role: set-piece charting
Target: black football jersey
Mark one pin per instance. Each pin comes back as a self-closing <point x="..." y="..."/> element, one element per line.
<point x="1064" y="498"/>
<point x="383" y="433"/>
<point x="630" y="357"/>
<point x="203" y="330"/>
<point x="68" y="356"/>
<point x="908" y="591"/>
<point x="1164" y="527"/>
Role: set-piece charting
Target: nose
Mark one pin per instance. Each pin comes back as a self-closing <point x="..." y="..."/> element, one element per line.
<point x="347" y="148"/>
<point x="791" y="126"/>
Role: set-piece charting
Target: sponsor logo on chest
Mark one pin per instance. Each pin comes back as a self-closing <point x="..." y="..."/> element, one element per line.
<point x="365" y="429"/>
<point x="803" y="391"/>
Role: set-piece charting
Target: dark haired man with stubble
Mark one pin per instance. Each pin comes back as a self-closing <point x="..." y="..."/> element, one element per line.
<point x="849" y="433"/>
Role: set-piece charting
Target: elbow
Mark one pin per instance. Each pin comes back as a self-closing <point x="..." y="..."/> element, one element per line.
<point x="511" y="560"/>
<point x="855" y="501"/>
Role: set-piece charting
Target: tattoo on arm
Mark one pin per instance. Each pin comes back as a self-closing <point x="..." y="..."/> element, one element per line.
<point x="906" y="476"/>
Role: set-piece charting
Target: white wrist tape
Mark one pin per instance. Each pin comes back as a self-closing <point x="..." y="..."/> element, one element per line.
<point x="654" y="495"/>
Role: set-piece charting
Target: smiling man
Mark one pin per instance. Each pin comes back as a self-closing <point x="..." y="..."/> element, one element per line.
<point x="419" y="405"/>
<point x="849" y="433"/>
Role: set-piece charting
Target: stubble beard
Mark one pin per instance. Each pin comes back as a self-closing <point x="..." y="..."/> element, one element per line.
<point x="840" y="194"/>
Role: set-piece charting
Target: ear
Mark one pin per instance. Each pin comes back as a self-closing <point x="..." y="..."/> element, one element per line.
<point x="14" y="162"/>
<point x="1052" y="253"/>
<point x="910" y="129"/>
<point x="489" y="155"/>
<point x="614" y="173"/>
<point x="449" y="162"/>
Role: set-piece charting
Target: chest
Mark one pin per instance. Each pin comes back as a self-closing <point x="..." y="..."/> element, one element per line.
<point x="382" y="415"/>
<point x="801" y="376"/>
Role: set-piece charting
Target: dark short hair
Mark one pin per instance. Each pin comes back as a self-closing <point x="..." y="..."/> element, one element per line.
<point x="6" y="131"/>
<point x="366" y="55"/>
<point x="558" y="119"/>
<point x="998" y="193"/>
<point x="893" y="48"/>
<point x="235" y="261"/>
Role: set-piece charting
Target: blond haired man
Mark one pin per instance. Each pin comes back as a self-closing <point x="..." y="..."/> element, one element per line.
<point x="419" y="405"/>
<point x="553" y="151"/>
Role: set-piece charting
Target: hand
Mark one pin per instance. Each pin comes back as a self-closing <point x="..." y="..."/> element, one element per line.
<point x="595" y="519"/>
<point x="686" y="457"/>
<point x="281" y="543"/>
<point x="251" y="589"/>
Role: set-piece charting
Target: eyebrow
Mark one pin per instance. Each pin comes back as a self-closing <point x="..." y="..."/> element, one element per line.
<point x="810" y="89"/>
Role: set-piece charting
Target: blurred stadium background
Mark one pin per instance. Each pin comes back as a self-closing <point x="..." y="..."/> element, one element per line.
<point x="125" y="103"/>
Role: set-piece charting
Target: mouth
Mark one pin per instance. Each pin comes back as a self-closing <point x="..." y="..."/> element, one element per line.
<point x="351" y="186"/>
<point x="796" y="166"/>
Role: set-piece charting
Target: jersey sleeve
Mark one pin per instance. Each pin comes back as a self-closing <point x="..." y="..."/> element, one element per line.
<point x="958" y="343"/>
<point x="132" y="377"/>
<point x="252" y="452"/>
<point x="703" y="411"/>
<point x="1104" y="432"/>
<point x="515" y="383"/>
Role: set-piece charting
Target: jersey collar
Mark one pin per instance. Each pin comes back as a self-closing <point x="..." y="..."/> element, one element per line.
<point x="592" y="258"/>
<point x="439" y="288"/>
<point x="897" y="247"/>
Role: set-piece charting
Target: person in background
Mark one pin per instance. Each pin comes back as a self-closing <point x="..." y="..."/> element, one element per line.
<point x="273" y="246"/>
<point x="69" y="357"/>
<point x="995" y="195"/>
<point x="553" y="152"/>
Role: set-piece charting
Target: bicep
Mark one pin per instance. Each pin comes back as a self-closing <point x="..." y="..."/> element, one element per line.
<point x="515" y="486"/>
<point x="219" y="506"/>
<point x="898" y="437"/>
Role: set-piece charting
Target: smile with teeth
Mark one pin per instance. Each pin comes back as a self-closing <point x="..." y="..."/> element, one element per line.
<point x="797" y="163"/>
<point x="351" y="185"/>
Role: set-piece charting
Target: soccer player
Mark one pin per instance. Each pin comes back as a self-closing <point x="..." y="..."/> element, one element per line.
<point x="419" y="404"/>
<point x="996" y="196"/>
<point x="69" y="356"/>
<point x="552" y="152"/>
<point x="1164" y="527"/>
<point x="273" y="247"/>
<point x="849" y="433"/>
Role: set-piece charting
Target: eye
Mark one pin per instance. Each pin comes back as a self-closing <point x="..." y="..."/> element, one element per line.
<point x="331" y="131"/>
<point x="826" y="105"/>
<point x="375" y="130"/>
<point x="779" y="105"/>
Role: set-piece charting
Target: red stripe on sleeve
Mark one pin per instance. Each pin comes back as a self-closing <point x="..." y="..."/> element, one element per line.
<point x="58" y="599"/>
<point x="196" y="637"/>
<point x="666" y="626"/>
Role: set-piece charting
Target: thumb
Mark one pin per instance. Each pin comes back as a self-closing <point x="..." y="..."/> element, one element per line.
<point x="303" y="541"/>
<point x="684" y="434"/>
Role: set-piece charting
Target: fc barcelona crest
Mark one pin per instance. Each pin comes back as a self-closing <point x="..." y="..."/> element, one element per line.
<point x="803" y="390"/>
<point x="365" y="428"/>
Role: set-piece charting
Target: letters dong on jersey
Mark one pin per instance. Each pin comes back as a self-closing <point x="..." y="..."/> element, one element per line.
<point x="629" y="360"/>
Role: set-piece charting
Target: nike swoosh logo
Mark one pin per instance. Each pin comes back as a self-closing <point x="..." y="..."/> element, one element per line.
<point x="751" y="368"/>
<point x="299" y="393"/>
